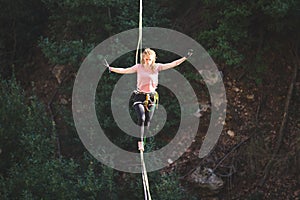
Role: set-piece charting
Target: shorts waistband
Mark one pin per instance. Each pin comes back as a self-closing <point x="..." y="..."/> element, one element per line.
<point x="144" y="93"/>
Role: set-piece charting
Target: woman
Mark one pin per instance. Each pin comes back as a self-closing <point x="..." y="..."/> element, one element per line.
<point x="145" y="98"/>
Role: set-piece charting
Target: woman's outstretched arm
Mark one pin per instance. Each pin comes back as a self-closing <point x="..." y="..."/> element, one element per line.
<point x="128" y="70"/>
<point x="173" y="64"/>
<point x="176" y="62"/>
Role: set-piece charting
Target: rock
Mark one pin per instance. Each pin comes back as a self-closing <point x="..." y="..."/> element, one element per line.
<point x="230" y="133"/>
<point x="203" y="108"/>
<point x="57" y="72"/>
<point x="205" y="178"/>
<point x="236" y="89"/>
<point x="198" y="113"/>
<point x="63" y="101"/>
<point x="250" y="96"/>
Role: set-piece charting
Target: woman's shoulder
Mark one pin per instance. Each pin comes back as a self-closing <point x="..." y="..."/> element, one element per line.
<point x="136" y="66"/>
<point x="158" y="66"/>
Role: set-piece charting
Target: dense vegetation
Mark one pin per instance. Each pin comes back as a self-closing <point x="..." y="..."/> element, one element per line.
<point x="41" y="155"/>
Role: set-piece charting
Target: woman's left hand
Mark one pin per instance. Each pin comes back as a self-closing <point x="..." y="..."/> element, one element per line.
<point x="189" y="53"/>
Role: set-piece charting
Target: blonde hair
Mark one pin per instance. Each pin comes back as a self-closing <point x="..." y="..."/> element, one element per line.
<point x="149" y="52"/>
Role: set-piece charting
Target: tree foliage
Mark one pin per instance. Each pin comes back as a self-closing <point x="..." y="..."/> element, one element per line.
<point x="33" y="171"/>
<point x="21" y="119"/>
<point x="238" y="33"/>
<point x="88" y="23"/>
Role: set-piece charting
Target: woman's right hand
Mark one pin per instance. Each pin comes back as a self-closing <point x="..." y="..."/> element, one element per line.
<point x="105" y="63"/>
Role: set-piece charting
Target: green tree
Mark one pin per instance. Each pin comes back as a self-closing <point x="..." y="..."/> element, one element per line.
<point x="237" y="33"/>
<point x="19" y="118"/>
<point x="30" y="168"/>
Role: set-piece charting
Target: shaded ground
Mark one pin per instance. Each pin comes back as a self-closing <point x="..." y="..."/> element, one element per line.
<point x="249" y="137"/>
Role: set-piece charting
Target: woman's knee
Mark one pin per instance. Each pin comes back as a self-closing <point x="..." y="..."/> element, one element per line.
<point x="141" y="120"/>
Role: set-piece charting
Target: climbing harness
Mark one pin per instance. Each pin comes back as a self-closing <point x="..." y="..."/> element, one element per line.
<point x="151" y="100"/>
<point x="148" y="101"/>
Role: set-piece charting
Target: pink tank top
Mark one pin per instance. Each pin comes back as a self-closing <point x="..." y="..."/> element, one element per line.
<point x="147" y="79"/>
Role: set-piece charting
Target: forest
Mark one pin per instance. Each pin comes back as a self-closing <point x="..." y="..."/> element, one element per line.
<point x="254" y="44"/>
